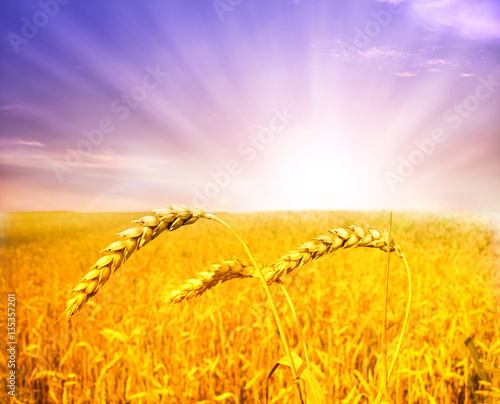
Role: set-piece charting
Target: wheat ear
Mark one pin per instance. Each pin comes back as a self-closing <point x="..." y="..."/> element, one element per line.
<point x="345" y="237"/>
<point x="217" y="273"/>
<point x="117" y="253"/>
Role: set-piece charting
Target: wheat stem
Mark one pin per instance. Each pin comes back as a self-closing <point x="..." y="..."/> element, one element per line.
<point x="384" y="326"/>
<point x="284" y="340"/>
<point x="378" y="399"/>
<point x="297" y="324"/>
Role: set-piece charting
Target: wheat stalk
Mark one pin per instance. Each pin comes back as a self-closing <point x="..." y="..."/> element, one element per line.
<point x="117" y="253"/>
<point x="215" y="274"/>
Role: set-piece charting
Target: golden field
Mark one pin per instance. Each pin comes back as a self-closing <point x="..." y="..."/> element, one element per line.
<point x="128" y="346"/>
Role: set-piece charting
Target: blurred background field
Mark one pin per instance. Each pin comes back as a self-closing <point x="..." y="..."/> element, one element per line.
<point x="127" y="346"/>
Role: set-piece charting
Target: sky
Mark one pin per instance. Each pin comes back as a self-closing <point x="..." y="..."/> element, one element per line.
<point x="242" y="105"/>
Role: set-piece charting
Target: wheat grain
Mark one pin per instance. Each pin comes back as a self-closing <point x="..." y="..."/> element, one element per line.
<point x="118" y="252"/>
<point x="217" y="273"/>
<point x="345" y="237"/>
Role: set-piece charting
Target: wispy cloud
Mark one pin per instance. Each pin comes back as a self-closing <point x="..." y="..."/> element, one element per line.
<point x="440" y="62"/>
<point x="434" y="62"/>
<point x="416" y="61"/>
<point x="350" y="53"/>
<point x="9" y="107"/>
<point x="19" y="142"/>
<point x="391" y="1"/>
<point x="406" y="74"/>
<point x="472" y="19"/>
<point x="380" y="52"/>
<point x="31" y="143"/>
<point x="25" y="160"/>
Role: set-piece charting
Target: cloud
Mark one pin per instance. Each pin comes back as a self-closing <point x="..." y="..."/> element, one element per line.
<point x="467" y="74"/>
<point x="13" y="142"/>
<point x="402" y="62"/>
<point x="435" y="62"/>
<point x="477" y="19"/>
<point x="381" y="52"/>
<point x="436" y="65"/>
<point x="32" y="143"/>
<point x="391" y="1"/>
<point x="350" y="53"/>
<point x="17" y="158"/>
<point x="406" y="74"/>
<point x="8" y="107"/>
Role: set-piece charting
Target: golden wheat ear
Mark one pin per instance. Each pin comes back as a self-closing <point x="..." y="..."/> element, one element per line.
<point x="217" y="273"/>
<point x="150" y="227"/>
<point x="344" y="237"/>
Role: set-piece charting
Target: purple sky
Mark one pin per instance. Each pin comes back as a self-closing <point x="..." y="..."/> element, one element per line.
<point x="250" y="105"/>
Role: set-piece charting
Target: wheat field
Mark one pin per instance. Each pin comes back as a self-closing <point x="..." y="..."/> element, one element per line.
<point x="127" y="345"/>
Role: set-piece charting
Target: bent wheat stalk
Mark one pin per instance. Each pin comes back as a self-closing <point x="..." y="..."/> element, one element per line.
<point x="344" y="237"/>
<point x="169" y="219"/>
<point x="401" y="338"/>
<point x="260" y="274"/>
